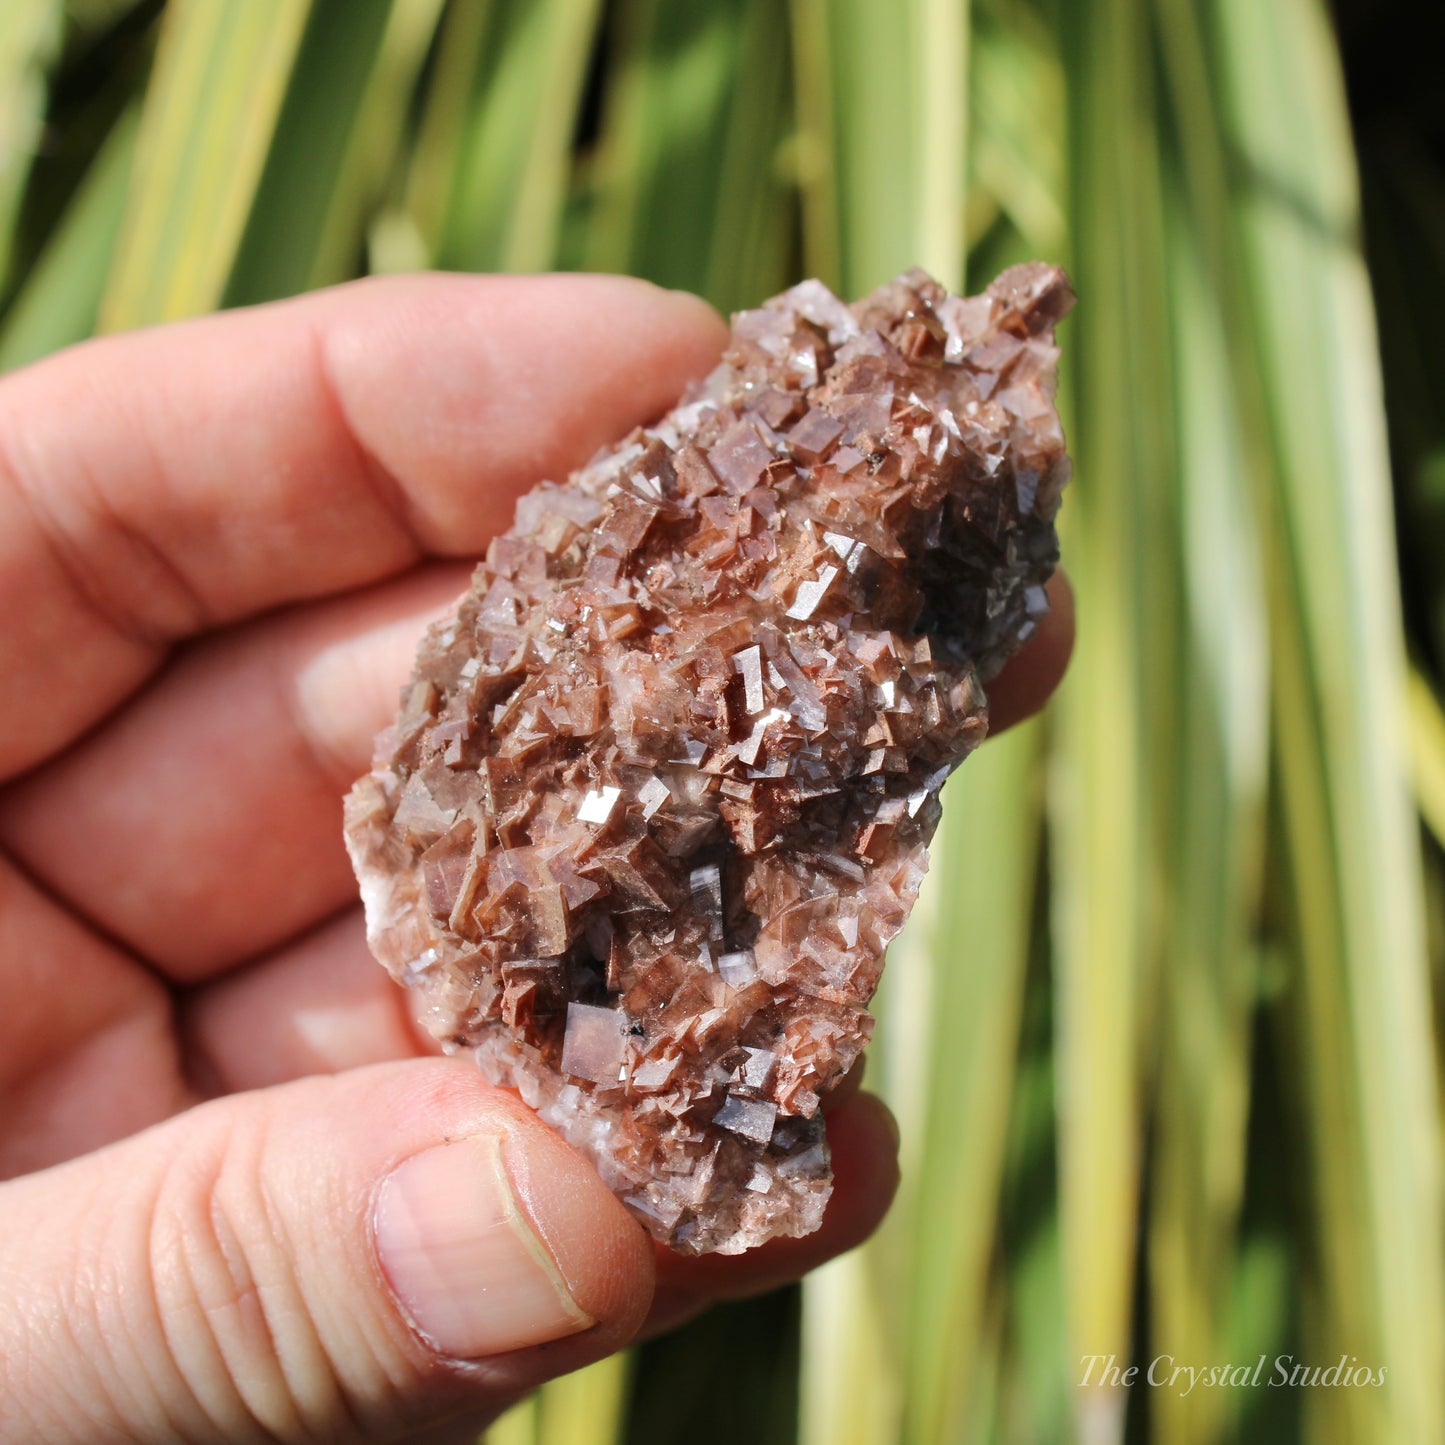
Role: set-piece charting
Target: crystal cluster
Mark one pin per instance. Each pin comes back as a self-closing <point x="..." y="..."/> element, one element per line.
<point x="660" y="791"/>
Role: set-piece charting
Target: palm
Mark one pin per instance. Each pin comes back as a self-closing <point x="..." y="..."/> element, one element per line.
<point x="197" y="935"/>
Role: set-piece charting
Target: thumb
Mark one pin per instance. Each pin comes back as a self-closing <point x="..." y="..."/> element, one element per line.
<point x="355" y="1256"/>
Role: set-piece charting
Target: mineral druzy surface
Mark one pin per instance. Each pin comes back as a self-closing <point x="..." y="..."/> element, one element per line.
<point x="661" y="789"/>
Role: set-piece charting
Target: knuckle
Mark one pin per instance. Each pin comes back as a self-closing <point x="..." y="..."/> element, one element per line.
<point x="267" y="1306"/>
<point x="209" y="1300"/>
<point x="229" y="1298"/>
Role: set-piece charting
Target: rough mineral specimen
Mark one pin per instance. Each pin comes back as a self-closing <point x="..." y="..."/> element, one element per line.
<point x="660" y="791"/>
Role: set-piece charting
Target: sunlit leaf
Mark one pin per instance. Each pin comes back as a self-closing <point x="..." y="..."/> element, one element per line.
<point x="29" y="37"/>
<point x="883" y="184"/>
<point x="211" y="109"/>
<point x="1427" y="752"/>
<point x="59" y="301"/>
<point x="336" y="139"/>
<point x="494" y="157"/>
<point x="1114" y="765"/>
<point x="1360" y="1019"/>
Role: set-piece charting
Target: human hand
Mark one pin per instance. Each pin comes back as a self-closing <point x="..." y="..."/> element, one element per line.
<point x="228" y="1151"/>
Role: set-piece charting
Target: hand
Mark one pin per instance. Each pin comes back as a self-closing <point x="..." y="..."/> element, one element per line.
<point x="244" y="1200"/>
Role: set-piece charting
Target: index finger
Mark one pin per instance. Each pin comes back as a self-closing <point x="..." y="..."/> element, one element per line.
<point x="163" y="483"/>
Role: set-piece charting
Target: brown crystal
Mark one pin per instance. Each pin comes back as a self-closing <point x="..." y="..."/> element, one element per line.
<point x="660" y="791"/>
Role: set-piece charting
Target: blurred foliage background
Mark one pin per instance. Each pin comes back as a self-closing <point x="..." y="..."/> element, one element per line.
<point x="1162" y="1035"/>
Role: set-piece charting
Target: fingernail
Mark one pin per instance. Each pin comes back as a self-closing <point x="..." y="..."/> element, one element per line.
<point x="463" y="1259"/>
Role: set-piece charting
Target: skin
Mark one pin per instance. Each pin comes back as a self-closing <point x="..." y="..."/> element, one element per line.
<point x="219" y="543"/>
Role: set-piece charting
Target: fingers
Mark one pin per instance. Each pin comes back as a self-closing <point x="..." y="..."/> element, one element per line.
<point x="321" y="1005"/>
<point x="77" y="1016"/>
<point x="360" y="1255"/>
<point x="1037" y="668"/>
<point x="203" y="825"/>
<point x="863" y="1139"/>
<point x="158" y="484"/>
<point x="324" y="1004"/>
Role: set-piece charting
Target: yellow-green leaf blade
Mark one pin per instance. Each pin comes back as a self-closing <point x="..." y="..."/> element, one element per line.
<point x="58" y="304"/>
<point x="211" y="108"/>
<point x="1367" y="1068"/>
<point x="29" y="37"/>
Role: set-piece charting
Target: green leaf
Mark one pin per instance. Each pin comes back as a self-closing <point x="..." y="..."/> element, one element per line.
<point x="976" y="951"/>
<point x="1358" y="1019"/>
<point x="336" y="139"/>
<point x="280" y="249"/>
<point x="1114" y="764"/>
<point x="943" y="1058"/>
<point x="850" y="1389"/>
<point x="883" y="183"/>
<point x="29" y="39"/>
<point x="1207" y="979"/>
<point x="418" y="222"/>
<point x="686" y="99"/>
<point x="211" y="109"/>
<point x="686" y="183"/>
<point x="588" y="1405"/>
<point x="748" y="250"/>
<point x="494" y="157"/>
<point x="1037" y="1383"/>
<point x="1427" y="751"/>
<point x="60" y="299"/>
<point x="1016" y="130"/>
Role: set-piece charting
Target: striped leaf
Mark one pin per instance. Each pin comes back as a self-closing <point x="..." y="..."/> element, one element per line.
<point x="883" y="184"/>
<point x="493" y="164"/>
<point x="211" y="109"/>
<point x="59" y="302"/>
<point x="29" y="39"/>
<point x="1114" y="767"/>
<point x="1360" y="1011"/>
<point x="1207" y="979"/>
<point x="587" y="1406"/>
<point x="686" y="184"/>
<point x="1427" y="752"/>
<point x="337" y="138"/>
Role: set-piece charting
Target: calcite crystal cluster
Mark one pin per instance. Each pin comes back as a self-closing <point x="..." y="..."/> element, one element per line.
<point x="661" y="789"/>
